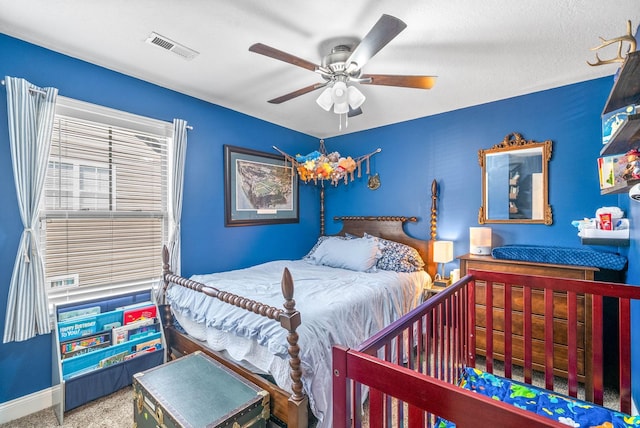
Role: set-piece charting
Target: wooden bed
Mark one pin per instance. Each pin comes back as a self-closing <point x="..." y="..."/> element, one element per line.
<point x="288" y="408"/>
<point x="411" y="368"/>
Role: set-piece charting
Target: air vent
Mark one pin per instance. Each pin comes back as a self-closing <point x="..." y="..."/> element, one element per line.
<point x="171" y="46"/>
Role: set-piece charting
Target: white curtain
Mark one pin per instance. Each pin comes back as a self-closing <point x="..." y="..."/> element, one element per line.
<point x="30" y="117"/>
<point x="176" y="159"/>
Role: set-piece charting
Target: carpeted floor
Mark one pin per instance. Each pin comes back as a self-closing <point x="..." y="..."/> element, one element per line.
<point x="116" y="410"/>
<point x="112" y="411"/>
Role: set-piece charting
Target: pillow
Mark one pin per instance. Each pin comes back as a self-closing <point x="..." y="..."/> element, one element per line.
<point x="360" y="254"/>
<point x="320" y="240"/>
<point x="398" y="257"/>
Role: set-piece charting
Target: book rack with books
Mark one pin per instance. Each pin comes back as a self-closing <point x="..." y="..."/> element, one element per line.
<point x="100" y="345"/>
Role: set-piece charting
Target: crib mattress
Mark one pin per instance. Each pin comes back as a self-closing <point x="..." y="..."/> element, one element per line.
<point x="561" y="408"/>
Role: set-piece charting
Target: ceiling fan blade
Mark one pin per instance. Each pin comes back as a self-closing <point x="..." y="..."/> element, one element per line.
<point x="282" y="56"/>
<point x="297" y="93"/>
<point x="418" y="82"/>
<point x="385" y="30"/>
<point x="354" y="112"/>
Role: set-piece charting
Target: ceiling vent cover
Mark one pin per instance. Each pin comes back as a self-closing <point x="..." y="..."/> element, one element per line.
<point x="171" y="46"/>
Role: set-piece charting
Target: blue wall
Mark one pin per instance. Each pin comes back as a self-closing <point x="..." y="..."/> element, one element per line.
<point x="26" y="366"/>
<point x="443" y="147"/>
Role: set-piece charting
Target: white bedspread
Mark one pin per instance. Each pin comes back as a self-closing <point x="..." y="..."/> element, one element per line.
<point x="337" y="306"/>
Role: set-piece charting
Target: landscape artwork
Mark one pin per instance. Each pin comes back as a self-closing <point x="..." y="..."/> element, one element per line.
<point x="260" y="188"/>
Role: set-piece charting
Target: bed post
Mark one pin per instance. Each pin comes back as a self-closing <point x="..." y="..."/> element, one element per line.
<point x="321" y="209"/>
<point x="165" y="311"/>
<point x="431" y="266"/>
<point x="290" y="320"/>
<point x="166" y="269"/>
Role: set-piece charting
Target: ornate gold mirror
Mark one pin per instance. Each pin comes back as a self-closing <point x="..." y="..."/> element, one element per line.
<point x="515" y="182"/>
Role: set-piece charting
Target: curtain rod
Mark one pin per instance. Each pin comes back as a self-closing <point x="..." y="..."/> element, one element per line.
<point x="39" y="91"/>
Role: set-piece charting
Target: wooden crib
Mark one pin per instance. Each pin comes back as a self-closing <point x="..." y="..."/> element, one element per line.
<point x="407" y="374"/>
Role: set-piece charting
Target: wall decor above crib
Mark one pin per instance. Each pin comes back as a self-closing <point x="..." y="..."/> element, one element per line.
<point x="515" y="182"/>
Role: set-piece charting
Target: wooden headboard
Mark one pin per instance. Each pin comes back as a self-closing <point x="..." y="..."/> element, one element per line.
<point x="392" y="228"/>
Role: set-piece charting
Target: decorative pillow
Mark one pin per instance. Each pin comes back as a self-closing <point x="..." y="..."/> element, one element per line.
<point x="398" y="257"/>
<point x="359" y="254"/>
<point x="320" y="240"/>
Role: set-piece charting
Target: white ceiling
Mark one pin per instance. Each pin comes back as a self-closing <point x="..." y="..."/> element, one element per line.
<point x="481" y="51"/>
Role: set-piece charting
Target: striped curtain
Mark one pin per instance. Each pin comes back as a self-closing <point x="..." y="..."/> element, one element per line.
<point x="176" y="160"/>
<point x="30" y="116"/>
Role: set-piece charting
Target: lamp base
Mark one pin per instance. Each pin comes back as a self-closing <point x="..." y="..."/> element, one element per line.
<point x="441" y="282"/>
<point x="480" y="250"/>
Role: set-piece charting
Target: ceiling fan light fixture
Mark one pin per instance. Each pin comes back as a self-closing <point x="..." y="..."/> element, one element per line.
<point x="341" y="108"/>
<point x="339" y="93"/>
<point x="355" y="97"/>
<point x="325" y="99"/>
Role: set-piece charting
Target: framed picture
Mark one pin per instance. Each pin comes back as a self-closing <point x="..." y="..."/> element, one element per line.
<point x="259" y="188"/>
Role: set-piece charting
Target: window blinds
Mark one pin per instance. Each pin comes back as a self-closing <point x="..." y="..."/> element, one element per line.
<point x="104" y="213"/>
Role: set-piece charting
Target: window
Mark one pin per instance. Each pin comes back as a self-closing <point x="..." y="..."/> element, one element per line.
<point x="104" y="212"/>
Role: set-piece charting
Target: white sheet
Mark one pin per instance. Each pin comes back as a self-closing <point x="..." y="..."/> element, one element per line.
<point x="337" y="306"/>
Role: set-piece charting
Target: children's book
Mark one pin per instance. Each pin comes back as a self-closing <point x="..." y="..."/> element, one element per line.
<point x="71" y="347"/>
<point x="106" y="362"/>
<point x="69" y="315"/>
<point x="122" y="334"/>
<point x="137" y="314"/>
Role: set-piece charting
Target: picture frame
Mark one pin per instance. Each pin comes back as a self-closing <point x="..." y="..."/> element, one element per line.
<point x="259" y="188"/>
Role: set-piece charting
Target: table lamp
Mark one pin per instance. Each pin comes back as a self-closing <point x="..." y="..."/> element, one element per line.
<point x="442" y="253"/>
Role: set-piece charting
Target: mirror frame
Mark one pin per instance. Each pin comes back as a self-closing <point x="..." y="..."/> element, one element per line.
<point x="513" y="142"/>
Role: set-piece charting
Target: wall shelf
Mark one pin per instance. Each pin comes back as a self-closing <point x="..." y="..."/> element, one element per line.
<point x="627" y="137"/>
<point x="619" y="188"/>
<point x="625" y="91"/>
<point x="626" y="88"/>
<point x="606" y="241"/>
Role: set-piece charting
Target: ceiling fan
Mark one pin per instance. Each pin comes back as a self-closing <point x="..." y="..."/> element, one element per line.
<point x="343" y="65"/>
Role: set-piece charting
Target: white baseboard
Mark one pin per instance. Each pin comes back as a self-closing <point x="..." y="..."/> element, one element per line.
<point x="27" y="404"/>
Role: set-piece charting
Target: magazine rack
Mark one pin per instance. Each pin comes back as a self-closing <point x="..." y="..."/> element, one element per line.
<point x="100" y="344"/>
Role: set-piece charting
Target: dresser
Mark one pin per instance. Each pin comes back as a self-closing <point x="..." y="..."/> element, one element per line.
<point x="488" y="263"/>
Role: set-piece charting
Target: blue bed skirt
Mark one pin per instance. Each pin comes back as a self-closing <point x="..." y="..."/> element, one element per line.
<point x="561" y="256"/>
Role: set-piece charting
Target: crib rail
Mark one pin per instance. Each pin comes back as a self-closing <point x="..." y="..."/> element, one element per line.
<point x="432" y="340"/>
<point x="574" y="295"/>
<point x="407" y="369"/>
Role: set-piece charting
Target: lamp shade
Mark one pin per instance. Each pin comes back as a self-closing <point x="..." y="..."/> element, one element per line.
<point x="324" y="100"/>
<point x="442" y="251"/>
<point x="355" y="97"/>
<point x="480" y="240"/>
<point x="339" y="96"/>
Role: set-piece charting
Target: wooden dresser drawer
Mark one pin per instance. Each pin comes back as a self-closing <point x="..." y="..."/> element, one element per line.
<point x="488" y="263"/>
